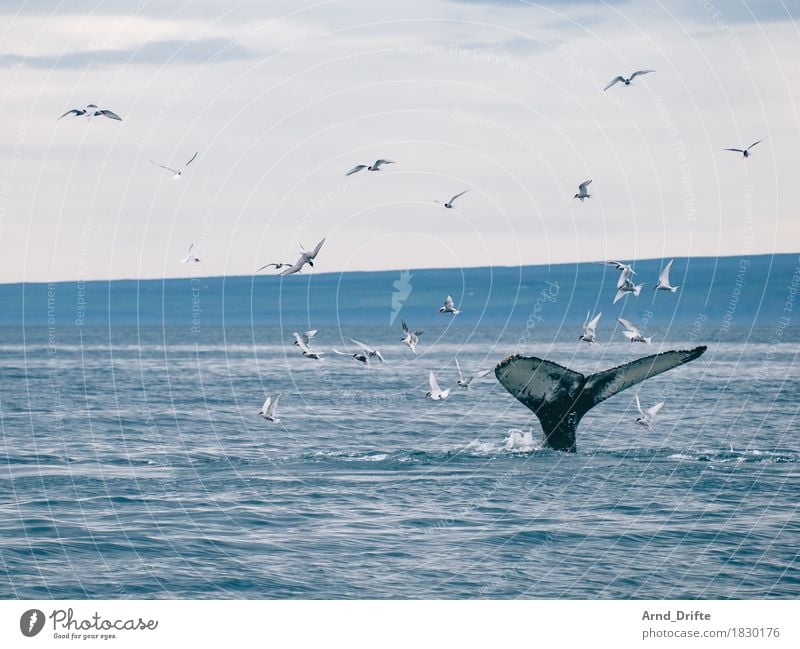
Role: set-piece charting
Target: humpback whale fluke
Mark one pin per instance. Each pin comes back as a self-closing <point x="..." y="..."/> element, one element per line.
<point x="560" y="397"/>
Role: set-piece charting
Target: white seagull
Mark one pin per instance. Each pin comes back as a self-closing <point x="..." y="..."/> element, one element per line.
<point x="589" y="327"/>
<point x="305" y="339"/>
<point x="627" y="81"/>
<point x="582" y="193"/>
<point x="176" y="173"/>
<point x="663" y="279"/>
<point x="465" y="381"/>
<point x="371" y="353"/>
<point x="92" y="110"/>
<point x="632" y="332"/>
<point x="268" y="409"/>
<point x="625" y="286"/>
<point x="305" y="258"/>
<point x="411" y="338"/>
<point x="307" y="353"/>
<point x="646" y="417"/>
<point x="375" y="166"/>
<point x="449" y="306"/>
<point x="361" y="357"/>
<point x="745" y="152"/>
<point x="449" y="204"/>
<point x="436" y="393"/>
<point x="190" y="257"/>
<point x="276" y="265"/>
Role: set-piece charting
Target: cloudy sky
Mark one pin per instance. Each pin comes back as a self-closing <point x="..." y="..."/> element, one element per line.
<point x="503" y="97"/>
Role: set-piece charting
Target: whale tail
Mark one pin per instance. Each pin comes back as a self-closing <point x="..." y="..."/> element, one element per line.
<point x="560" y="397"/>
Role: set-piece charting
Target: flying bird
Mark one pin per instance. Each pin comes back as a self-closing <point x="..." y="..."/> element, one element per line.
<point x="633" y="333"/>
<point x="375" y="166"/>
<point x="305" y="339"/>
<point x="626" y="286"/>
<point x="449" y="306"/>
<point x="268" y="409"/>
<point x="646" y="417"/>
<point x="627" y="81"/>
<point x="371" y="353"/>
<point x="277" y="266"/>
<point x="190" y="257"/>
<point x="436" y="393"/>
<point x="589" y="327"/>
<point x="663" y="279"/>
<point x="91" y="110"/>
<point x="176" y="173"/>
<point x="308" y="353"/>
<point x="465" y="381"/>
<point x="746" y="152"/>
<point x="361" y="357"/>
<point x="582" y="193"/>
<point x="305" y="258"/>
<point x="411" y="338"/>
<point x="618" y="265"/>
<point x="449" y="204"/>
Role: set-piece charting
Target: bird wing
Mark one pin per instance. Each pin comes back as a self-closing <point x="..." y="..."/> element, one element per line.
<point x="380" y="162"/>
<point x="593" y="324"/>
<point x="654" y="410"/>
<point x="613" y="81"/>
<point x="308" y="335"/>
<point x="316" y="250"/>
<point x="457" y="195"/>
<point x="191" y="160"/>
<point x="275" y="403"/>
<point x="189" y="252"/>
<point x="356" y="168"/>
<point x="737" y="150"/>
<point x="448" y="302"/>
<point x="753" y="144"/>
<point x="110" y="114"/>
<point x="265" y="407"/>
<point x="582" y="187"/>
<point x="629" y="326"/>
<point x="640" y="72"/>
<point x="303" y="347"/>
<point x="664" y="277"/>
<point x="297" y="338"/>
<point x="460" y="373"/>
<point x="163" y="167"/>
<point x="639" y="405"/>
<point x="361" y="345"/>
<point x="481" y="374"/>
<point x="336" y="351"/>
<point x="434" y="385"/>
<point x="405" y="326"/>
<point x="267" y="266"/>
<point x="73" y="111"/>
<point x="623" y="277"/>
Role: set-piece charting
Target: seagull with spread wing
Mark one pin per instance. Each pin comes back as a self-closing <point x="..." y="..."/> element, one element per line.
<point x="410" y="338"/>
<point x="449" y="204"/>
<point x="745" y="152"/>
<point x="268" y="409"/>
<point x="466" y="381"/>
<point x="91" y="110"/>
<point x="305" y="258"/>
<point x="449" y="306"/>
<point x="375" y="166"/>
<point x="633" y="333"/>
<point x="627" y="81"/>
<point x="646" y="417"/>
<point x="589" y="327"/>
<point x="663" y="279"/>
<point x="436" y="393"/>
<point x="371" y="352"/>
<point x="176" y="173"/>
<point x="582" y="193"/>
<point x="190" y="258"/>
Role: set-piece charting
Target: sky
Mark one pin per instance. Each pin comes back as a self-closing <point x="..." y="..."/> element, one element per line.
<point x="281" y="99"/>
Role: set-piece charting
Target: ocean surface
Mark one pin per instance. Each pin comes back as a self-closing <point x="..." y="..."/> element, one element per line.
<point x="133" y="463"/>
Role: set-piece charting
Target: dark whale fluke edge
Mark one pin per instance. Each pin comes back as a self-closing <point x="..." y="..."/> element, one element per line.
<point x="560" y="397"/>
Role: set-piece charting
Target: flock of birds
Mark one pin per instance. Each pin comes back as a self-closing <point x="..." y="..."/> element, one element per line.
<point x="364" y="353"/>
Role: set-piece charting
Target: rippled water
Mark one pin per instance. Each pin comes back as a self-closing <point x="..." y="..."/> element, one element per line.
<point x="133" y="464"/>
